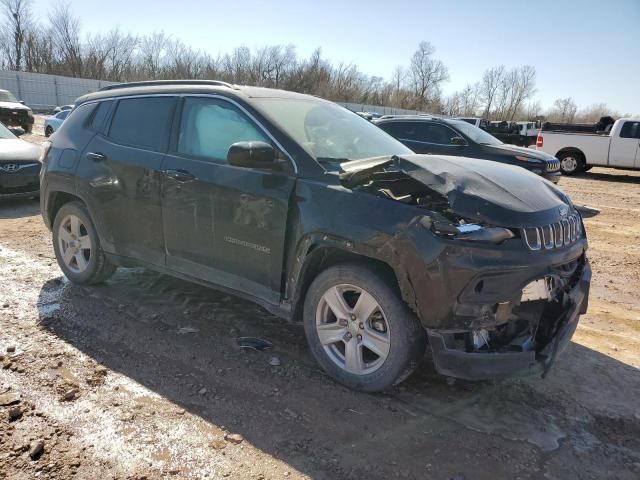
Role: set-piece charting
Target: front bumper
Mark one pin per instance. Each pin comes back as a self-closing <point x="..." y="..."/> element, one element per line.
<point x="490" y="365"/>
<point x="22" y="183"/>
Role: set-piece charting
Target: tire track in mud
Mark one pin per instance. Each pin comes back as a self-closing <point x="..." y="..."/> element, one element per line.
<point x="126" y="428"/>
<point x="140" y="301"/>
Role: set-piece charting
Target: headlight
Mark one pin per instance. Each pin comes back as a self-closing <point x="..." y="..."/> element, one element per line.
<point x="471" y="232"/>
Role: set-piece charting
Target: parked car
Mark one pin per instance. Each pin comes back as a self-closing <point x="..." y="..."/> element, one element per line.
<point x="14" y="113"/>
<point x="62" y="108"/>
<point x="319" y="216"/>
<point x="460" y="138"/>
<point x="19" y="166"/>
<point x="52" y="123"/>
<point x="606" y="144"/>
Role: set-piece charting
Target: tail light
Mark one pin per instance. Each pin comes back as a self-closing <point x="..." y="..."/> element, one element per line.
<point x="46" y="146"/>
<point x="539" y="141"/>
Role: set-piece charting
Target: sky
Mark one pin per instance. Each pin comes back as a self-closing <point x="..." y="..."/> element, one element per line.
<point x="588" y="50"/>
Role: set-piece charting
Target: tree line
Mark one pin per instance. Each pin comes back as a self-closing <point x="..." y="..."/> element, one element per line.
<point x="59" y="47"/>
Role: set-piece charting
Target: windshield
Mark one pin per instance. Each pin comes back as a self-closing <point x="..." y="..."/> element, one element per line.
<point x="328" y="132"/>
<point x="6" y="96"/>
<point x="5" y="134"/>
<point x="474" y="133"/>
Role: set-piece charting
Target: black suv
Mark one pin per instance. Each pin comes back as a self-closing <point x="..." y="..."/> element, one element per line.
<point x="321" y="217"/>
<point x="456" y="137"/>
<point x="14" y="113"/>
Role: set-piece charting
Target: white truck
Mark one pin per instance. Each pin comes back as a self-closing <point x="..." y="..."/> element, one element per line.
<point x="618" y="146"/>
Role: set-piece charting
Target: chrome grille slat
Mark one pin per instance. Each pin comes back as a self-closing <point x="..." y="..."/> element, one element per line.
<point x="555" y="235"/>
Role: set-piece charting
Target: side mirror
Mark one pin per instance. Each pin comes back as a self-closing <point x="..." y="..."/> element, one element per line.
<point x="22" y="102"/>
<point x="459" y="141"/>
<point x="251" y="155"/>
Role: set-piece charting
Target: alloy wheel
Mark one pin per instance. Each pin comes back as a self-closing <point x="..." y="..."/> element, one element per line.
<point x="353" y="329"/>
<point x="74" y="243"/>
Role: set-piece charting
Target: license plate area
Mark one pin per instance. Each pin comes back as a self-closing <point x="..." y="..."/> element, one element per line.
<point x="537" y="290"/>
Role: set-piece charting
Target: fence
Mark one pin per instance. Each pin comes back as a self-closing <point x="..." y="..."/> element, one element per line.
<point x="45" y="92"/>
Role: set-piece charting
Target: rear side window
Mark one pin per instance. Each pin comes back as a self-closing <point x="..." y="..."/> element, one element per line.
<point x="401" y="130"/>
<point x="62" y="115"/>
<point x="100" y="115"/>
<point x="143" y="122"/>
<point x="630" y="130"/>
<point x="210" y="126"/>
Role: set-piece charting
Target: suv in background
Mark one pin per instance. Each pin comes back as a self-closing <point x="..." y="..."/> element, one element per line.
<point x="14" y="113"/>
<point x="319" y="216"/>
<point x="458" y="137"/>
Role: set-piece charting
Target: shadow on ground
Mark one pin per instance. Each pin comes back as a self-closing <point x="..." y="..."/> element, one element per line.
<point x="18" y="208"/>
<point x="578" y="423"/>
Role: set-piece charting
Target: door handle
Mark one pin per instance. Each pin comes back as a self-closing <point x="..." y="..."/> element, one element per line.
<point x="96" y="156"/>
<point x="179" y="175"/>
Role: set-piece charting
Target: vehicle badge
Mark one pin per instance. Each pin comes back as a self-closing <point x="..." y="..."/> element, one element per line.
<point x="10" y="167"/>
<point x="563" y="210"/>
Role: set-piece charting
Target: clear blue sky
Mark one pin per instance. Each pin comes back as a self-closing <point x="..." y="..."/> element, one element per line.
<point x="589" y="50"/>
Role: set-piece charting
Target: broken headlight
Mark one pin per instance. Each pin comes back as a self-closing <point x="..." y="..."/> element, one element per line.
<point x="471" y="232"/>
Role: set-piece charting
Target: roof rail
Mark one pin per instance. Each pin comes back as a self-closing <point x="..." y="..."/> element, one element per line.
<point x="149" y="83"/>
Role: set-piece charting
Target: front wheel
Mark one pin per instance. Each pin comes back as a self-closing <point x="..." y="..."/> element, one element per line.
<point x="48" y="131"/>
<point x="571" y="163"/>
<point x="77" y="246"/>
<point x="359" y="330"/>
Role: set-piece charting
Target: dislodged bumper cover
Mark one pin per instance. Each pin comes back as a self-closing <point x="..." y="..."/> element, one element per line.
<point x="482" y="366"/>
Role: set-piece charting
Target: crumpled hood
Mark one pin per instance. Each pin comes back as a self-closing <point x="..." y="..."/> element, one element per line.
<point x="16" y="150"/>
<point x="515" y="150"/>
<point x="13" y="106"/>
<point x="489" y="192"/>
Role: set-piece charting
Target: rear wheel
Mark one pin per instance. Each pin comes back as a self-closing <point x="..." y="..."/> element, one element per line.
<point x="77" y="247"/>
<point x="359" y="330"/>
<point x="571" y="163"/>
<point x="48" y="131"/>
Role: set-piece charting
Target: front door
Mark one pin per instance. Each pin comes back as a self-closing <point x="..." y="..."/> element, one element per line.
<point x="223" y="224"/>
<point x="625" y="147"/>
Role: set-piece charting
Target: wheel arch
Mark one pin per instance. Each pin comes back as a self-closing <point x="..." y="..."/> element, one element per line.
<point x="316" y="257"/>
<point x="55" y="201"/>
<point x="574" y="150"/>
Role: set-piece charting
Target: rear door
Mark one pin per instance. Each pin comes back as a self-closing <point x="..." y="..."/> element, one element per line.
<point x="624" y="148"/>
<point x="120" y="173"/>
<point x="223" y="224"/>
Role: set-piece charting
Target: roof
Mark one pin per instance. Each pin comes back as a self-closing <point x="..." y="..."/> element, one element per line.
<point x="191" y="86"/>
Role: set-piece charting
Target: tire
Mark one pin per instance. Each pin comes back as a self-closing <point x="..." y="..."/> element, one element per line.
<point x="28" y="128"/>
<point x="48" y="131"/>
<point x="89" y="265"/>
<point x="571" y="163"/>
<point x="392" y="324"/>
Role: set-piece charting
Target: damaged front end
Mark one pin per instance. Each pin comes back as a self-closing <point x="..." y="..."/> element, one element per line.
<point x="494" y="264"/>
<point x="519" y="337"/>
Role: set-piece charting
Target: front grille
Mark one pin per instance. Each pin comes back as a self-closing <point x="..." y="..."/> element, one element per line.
<point x="553" y="235"/>
<point x="553" y="165"/>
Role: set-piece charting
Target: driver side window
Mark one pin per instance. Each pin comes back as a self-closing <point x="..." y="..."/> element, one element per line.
<point x="208" y="127"/>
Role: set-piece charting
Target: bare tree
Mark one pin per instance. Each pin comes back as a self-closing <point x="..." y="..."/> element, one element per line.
<point x="564" y="110"/>
<point x="65" y="34"/>
<point x="14" y="29"/>
<point x="427" y="75"/>
<point x="489" y="85"/>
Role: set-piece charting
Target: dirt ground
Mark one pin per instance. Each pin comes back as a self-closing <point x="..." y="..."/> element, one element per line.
<point x="142" y="378"/>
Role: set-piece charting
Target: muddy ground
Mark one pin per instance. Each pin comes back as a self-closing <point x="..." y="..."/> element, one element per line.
<point x="142" y="378"/>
